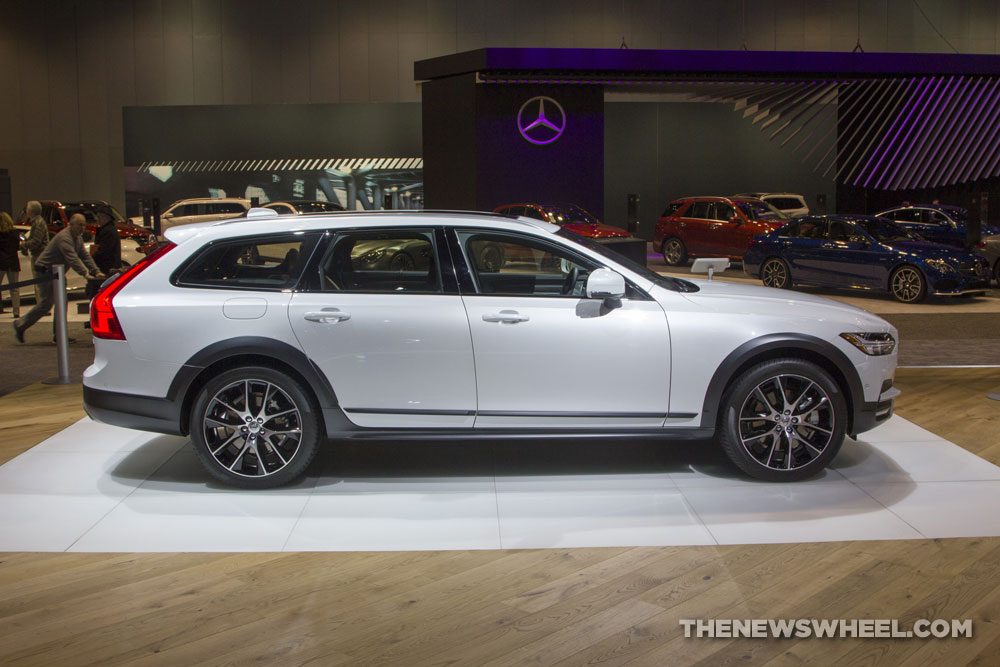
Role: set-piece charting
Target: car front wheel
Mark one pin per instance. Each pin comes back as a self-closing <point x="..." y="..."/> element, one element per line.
<point x="783" y="420"/>
<point x="674" y="251"/>
<point x="255" y="427"/>
<point x="775" y="273"/>
<point x="907" y="284"/>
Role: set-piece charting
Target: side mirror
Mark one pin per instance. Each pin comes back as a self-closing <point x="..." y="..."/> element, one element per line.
<point x="605" y="284"/>
<point x="735" y="219"/>
<point x="166" y="216"/>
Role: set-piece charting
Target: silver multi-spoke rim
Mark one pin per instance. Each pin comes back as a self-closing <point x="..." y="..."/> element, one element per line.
<point x="252" y="428"/>
<point x="775" y="274"/>
<point x="786" y="422"/>
<point x="673" y="252"/>
<point x="907" y="284"/>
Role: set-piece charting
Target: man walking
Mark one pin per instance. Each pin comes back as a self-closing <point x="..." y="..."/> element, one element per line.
<point x="65" y="248"/>
<point x="38" y="238"/>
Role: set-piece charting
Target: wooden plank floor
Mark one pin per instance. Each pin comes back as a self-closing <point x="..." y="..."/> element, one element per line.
<point x="555" y="606"/>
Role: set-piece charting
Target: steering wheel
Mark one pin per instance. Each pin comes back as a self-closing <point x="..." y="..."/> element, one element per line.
<point x="570" y="283"/>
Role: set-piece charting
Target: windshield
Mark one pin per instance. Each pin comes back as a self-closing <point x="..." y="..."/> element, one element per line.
<point x="887" y="231"/>
<point x="667" y="282"/>
<point x="570" y="213"/>
<point x="757" y="210"/>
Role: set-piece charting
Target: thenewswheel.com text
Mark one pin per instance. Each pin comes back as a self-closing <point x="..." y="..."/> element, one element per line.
<point x="804" y="628"/>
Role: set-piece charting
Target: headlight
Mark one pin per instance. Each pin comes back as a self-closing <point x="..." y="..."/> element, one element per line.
<point x="940" y="265"/>
<point x="371" y="256"/>
<point x="873" y="344"/>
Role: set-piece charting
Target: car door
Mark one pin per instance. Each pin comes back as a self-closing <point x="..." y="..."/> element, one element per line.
<point x="726" y="238"/>
<point x="547" y="356"/>
<point x="941" y="229"/>
<point x="803" y="249"/>
<point x="380" y="321"/>
<point x="847" y="257"/>
<point x="693" y="226"/>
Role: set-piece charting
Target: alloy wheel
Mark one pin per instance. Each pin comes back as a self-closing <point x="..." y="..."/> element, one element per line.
<point x="786" y="422"/>
<point x="402" y="262"/>
<point x="907" y="284"/>
<point x="673" y="251"/>
<point x="252" y="428"/>
<point x="774" y="274"/>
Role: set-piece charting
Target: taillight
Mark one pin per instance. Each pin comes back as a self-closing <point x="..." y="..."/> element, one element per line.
<point x="981" y="245"/>
<point x="103" y="319"/>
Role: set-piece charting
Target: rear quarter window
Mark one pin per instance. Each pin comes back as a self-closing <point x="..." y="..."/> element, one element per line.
<point x="258" y="263"/>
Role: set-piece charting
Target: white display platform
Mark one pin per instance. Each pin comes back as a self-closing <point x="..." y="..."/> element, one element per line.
<point x="99" y="488"/>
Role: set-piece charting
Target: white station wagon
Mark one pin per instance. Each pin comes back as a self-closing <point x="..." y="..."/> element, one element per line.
<point x="262" y="337"/>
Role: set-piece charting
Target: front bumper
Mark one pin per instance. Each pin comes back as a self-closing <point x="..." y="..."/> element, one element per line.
<point x="142" y="413"/>
<point x="872" y="414"/>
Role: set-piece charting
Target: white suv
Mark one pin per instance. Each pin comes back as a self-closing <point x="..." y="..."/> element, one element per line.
<point x="262" y="338"/>
<point x="202" y="209"/>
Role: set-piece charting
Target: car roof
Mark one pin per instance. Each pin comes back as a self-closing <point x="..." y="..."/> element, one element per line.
<point x="236" y="227"/>
<point x="839" y="217"/>
<point x="200" y="200"/>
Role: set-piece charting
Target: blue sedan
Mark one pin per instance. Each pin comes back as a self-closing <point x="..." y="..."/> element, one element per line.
<point x="863" y="252"/>
<point x="938" y="223"/>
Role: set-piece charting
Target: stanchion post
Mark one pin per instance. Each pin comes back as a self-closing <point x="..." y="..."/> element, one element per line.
<point x="62" y="327"/>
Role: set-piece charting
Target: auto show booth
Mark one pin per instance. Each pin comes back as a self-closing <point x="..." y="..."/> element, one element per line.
<point x="855" y="132"/>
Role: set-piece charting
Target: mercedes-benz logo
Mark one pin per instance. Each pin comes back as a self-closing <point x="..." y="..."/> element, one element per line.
<point x="541" y="120"/>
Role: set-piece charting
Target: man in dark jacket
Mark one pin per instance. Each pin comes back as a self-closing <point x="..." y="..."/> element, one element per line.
<point x="106" y="251"/>
<point x="65" y="248"/>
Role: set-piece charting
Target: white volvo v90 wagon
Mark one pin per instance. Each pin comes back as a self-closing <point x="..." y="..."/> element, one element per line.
<point x="262" y="337"/>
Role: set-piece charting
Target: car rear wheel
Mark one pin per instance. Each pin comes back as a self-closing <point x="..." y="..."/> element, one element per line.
<point x="255" y="427"/>
<point x="907" y="284"/>
<point x="774" y="273"/>
<point x="674" y="251"/>
<point x="401" y="261"/>
<point x="783" y="420"/>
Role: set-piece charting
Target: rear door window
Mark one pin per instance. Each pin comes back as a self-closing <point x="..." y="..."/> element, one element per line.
<point x="392" y="260"/>
<point x="257" y="263"/>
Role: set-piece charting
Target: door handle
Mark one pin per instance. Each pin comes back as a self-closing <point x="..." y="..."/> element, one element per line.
<point x="327" y="315"/>
<point x="508" y="316"/>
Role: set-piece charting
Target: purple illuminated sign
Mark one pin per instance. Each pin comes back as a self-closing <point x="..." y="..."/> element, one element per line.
<point x="541" y="120"/>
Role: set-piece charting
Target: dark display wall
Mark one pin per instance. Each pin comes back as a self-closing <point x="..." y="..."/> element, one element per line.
<point x="363" y="156"/>
<point x="476" y="157"/>
<point x="67" y="68"/>
<point x="665" y="150"/>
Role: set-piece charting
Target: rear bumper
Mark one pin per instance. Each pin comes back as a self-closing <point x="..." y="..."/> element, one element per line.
<point x="143" y="413"/>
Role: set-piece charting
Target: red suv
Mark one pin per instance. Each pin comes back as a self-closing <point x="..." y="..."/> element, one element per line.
<point x="570" y="216"/>
<point x="713" y="227"/>
<point x="57" y="214"/>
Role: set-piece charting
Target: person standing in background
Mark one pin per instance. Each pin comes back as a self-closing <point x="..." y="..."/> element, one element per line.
<point x="106" y="251"/>
<point x="10" y="264"/>
<point x="38" y="238"/>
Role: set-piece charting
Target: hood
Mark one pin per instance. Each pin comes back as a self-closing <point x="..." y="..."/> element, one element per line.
<point x="928" y="250"/>
<point x="596" y="231"/>
<point x="741" y="298"/>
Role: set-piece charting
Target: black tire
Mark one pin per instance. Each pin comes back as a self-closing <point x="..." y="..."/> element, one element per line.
<point x="284" y="460"/>
<point x="908" y="285"/>
<point x="775" y="273"/>
<point x="674" y="251"/>
<point x="774" y="447"/>
<point x="402" y="261"/>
